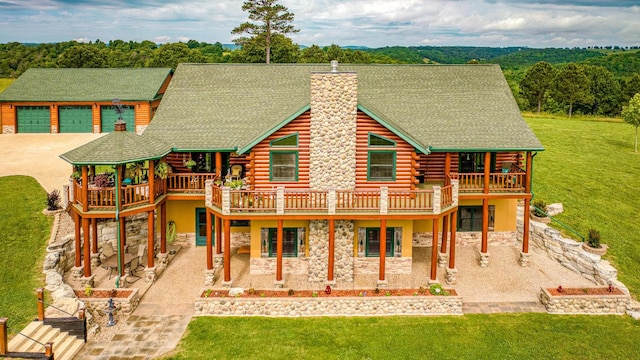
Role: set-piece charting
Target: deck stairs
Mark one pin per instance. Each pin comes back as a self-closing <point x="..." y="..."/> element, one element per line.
<point x="65" y="346"/>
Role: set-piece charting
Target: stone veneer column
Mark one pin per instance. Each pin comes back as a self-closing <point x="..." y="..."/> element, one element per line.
<point x="319" y="250"/>
<point x="334" y="110"/>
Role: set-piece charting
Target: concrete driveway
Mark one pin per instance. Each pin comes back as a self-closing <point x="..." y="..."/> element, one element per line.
<point x="37" y="155"/>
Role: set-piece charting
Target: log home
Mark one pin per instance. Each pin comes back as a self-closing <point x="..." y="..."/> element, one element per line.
<point x="81" y="100"/>
<point x="324" y="172"/>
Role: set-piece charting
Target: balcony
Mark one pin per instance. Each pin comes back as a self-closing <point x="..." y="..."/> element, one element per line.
<point x="188" y="183"/>
<point x="503" y="182"/>
<point x="283" y="201"/>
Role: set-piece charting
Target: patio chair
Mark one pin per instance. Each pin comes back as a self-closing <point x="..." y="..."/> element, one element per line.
<point x="133" y="265"/>
<point x="107" y="251"/>
<point x="236" y="172"/>
<point x="142" y="252"/>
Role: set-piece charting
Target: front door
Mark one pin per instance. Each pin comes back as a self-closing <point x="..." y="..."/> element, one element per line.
<point x="201" y="227"/>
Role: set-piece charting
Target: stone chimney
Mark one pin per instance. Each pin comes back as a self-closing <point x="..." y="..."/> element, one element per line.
<point x="334" y="110"/>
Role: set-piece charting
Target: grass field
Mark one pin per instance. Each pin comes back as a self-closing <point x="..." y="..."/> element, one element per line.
<point x="590" y="167"/>
<point x="24" y="233"/>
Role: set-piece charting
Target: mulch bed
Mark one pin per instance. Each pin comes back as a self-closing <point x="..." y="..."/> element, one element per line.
<point x="100" y="294"/>
<point x="585" y="291"/>
<point x="321" y="293"/>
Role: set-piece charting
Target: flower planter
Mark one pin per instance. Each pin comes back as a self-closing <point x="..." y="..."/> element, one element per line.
<point x="544" y="219"/>
<point x="125" y="300"/>
<point x="602" y="250"/>
<point x="585" y="301"/>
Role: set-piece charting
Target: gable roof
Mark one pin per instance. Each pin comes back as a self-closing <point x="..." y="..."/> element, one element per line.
<point x="118" y="147"/>
<point x="126" y="84"/>
<point x="437" y="107"/>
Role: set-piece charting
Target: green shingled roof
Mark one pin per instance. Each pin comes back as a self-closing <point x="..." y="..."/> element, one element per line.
<point x="437" y="107"/>
<point x="126" y="84"/>
<point x="119" y="147"/>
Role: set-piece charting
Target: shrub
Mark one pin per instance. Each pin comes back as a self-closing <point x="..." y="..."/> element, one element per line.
<point x="436" y="289"/>
<point x="88" y="291"/>
<point x="593" y="239"/>
<point x="53" y="200"/>
<point x="539" y="208"/>
<point x="290" y="292"/>
<point x="104" y="180"/>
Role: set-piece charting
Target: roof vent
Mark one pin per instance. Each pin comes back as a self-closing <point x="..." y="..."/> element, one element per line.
<point x="334" y="65"/>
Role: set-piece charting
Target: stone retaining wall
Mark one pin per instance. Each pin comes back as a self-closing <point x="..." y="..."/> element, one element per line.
<point x="267" y="266"/>
<point x="123" y="305"/>
<point x="334" y="306"/>
<point x="585" y="304"/>
<point x="473" y="238"/>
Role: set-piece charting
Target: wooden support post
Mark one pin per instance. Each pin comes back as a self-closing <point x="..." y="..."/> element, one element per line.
<point x="447" y="168"/>
<point x="219" y="165"/>
<point x="525" y="226"/>
<point x="485" y="225"/>
<point x="218" y="228"/>
<point x="487" y="171"/>
<point x="452" y="245"/>
<point x="123" y="241"/>
<point x="85" y="189"/>
<point x="40" y="297"/>
<point x="434" y="251"/>
<point x="86" y="246"/>
<point x="227" y="250"/>
<point x="78" y="253"/>
<point x="152" y="182"/>
<point x="4" y="343"/>
<point x="150" y="240"/>
<point x="209" y="242"/>
<point x="94" y="236"/>
<point x="332" y="240"/>
<point x="383" y="249"/>
<point x="445" y="232"/>
<point x="48" y="350"/>
<point x="163" y="228"/>
<point x="279" y="236"/>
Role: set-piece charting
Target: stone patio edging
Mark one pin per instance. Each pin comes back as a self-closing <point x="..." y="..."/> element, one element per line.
<point x="123" y="305"/>
<point x="329" y="306"/>
<point x="585" y="304"/>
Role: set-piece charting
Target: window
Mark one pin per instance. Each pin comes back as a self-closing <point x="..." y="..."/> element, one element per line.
<point x="293" y="242"/>
<point x="286" y="141"/>
<point x="473" y="162"/>
<point x="369" y="242"/>
<point x="470" y="218"/>
<point x="240" y="223"/>
<point x="382" y="165"/>
<point x="284" y="166"/>
<point x="380" y="141"/>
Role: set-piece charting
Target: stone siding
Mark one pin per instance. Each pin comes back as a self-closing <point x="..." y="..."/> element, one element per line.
<point x="319" y="250"/>
<point x="468" y="238"/>
<point x="582" y="304"/>
<point x="7" y="129"/>
<point x="332" y="150"/>
<point x="338" y="306"/>
<point x="368" y="266"/>
<point x="267" y="266"/>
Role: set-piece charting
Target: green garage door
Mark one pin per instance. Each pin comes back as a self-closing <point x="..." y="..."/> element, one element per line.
<point x="109" y="118"/>
<point x="75" y="119"/>
<point x="33" y="119"/>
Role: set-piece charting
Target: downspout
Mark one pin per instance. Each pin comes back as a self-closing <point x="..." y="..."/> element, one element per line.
<point x="119" y="240"/>
<point x="531" y="179"/>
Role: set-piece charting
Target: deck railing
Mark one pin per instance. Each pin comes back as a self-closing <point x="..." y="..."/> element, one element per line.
<point x="105" y="198"/>
<point x="279" y="201"/>
<point x="498" y="182"/>
<point x="188" y="182"/>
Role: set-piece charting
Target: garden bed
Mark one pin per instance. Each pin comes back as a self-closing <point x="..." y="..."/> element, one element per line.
<point x="125" y="300"/>
<point x="598" y="300"/>
<point x="251" y="293"/>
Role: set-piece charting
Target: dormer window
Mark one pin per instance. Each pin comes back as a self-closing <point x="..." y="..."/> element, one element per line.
<point x="381" y="159"/>
<point x="380" y="141"/>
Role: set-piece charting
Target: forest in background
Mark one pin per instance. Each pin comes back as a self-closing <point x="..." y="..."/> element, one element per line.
<point x="613" y="73"/>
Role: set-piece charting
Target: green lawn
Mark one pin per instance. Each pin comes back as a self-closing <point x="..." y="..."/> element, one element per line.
<point x="501" y="336"/>
<point x="24" y="233"/>
<point x="591" y="168"/>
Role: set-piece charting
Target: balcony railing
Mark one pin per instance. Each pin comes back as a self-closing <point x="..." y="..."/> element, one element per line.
<point x="498" y="182"/>
<point x="188" y="182"/>
<point x="105" y="198"/>
<point x="281" y="200"/>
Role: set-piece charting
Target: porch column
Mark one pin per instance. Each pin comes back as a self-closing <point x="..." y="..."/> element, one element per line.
<point x="218" y="226"/>
<point x="227" y="251"/>
<point x="279" y="235"/>
<point x="447" y="168"/>
<point x="485" y="225"/>
<point x="94" y="236"/>
<point x="152" y="182"/>
<point x="86" y="247"/>
<point x="163" y="228"/>
<point x="434" y="252"/>
<point x="123" y="242"/>
<point x="150" y="239"/>
<point x="209" y="242"/>
<point x="383" y="250"/>
<point x="452" y="242"/>
<point x="527" y="203"/>
<point x="219" y="165"/>
<point x="85" y="189"/>
<point x="332" y="240"/>
<point x="487" y="171"/>
<point x="445" y="233"/>
<point x="78" y="253"/>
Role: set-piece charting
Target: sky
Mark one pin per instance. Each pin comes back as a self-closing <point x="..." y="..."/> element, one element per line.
<point x="372" y="23"/>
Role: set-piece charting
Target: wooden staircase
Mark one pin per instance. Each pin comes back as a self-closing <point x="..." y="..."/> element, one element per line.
<point x="65" y="346"/>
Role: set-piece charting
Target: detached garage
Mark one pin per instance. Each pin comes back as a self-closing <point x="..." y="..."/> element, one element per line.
<point x="81" y="100"/>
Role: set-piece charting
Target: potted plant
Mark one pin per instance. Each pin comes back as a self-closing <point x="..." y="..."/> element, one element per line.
<point x="539" y="211"/>
<point x="190" y="164"/>
<point x="593" y="245"/>
<point x="162" y="170"/>
<point x="104" y="180"/>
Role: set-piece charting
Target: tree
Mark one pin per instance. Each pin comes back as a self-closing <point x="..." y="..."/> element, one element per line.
<point x="283" y="50"/>
<point x="274" y="18"/>
<point x="605" y="91"/>
<point x="83" y="56"/>
<point x="631" y="115"/>
<point x="537" y="82"/>
<point x="170" y="55"/>
<point x="313" y="55"/>
<point x="572" y="86"/>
